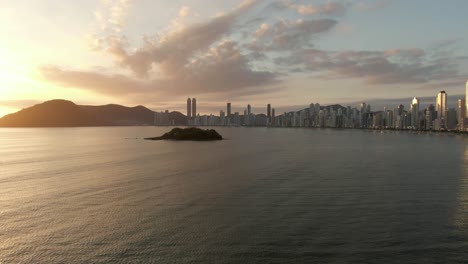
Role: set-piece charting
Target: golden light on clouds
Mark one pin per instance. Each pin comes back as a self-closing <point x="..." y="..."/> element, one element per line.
<point x="155" y="52"/>
<point x="22" y="85"/>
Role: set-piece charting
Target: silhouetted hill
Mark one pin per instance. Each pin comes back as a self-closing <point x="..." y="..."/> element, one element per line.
<point x="55" y="113"/>
<point x="335" y="107"/>
<point x="179" y="118"/>
<point x="62" y="113"/>
<point x="118" y="115"/>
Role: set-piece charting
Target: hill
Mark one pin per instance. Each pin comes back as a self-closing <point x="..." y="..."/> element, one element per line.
<point x="55" y="113"/>
<point x="179" y="118"/>
<point x="62" y="113"/>
<point x="335" y="107"/>
<point x="117" y="115"/>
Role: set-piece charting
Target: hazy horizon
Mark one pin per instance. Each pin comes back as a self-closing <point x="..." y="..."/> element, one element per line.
<point x="376" y="104"/>
<point x="286" y="53"/>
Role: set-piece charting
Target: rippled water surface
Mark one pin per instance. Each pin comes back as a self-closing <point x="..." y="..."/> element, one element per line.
<point x="103" y="195"/>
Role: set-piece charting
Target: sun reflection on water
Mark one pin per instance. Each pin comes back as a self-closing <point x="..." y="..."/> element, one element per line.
<point x="461" y="216"/>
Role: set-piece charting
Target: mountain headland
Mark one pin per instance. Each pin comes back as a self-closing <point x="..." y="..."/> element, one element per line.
<point x="63" y="113"/>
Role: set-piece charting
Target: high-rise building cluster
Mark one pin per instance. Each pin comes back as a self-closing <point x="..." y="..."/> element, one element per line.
<point x="432" y="117"/>
<point x="163" y="118"/>
<point x="192" y="112"/>
<point x="229" y="118"/>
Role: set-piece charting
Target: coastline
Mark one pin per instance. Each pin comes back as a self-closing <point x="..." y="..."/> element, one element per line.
<point x="410" y="131"/>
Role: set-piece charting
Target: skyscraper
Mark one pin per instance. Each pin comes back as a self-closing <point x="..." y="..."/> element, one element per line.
<point x="194" y="107"/>
<point x="269" y="110"/>
<point x="363" y="118"/>
<point x="466" y="99"/>
<point x="363" y="107"/>
<point x="249" y="109"/>
<point x="317" y="108"/>
<point x="236" y="119"/>
<point x="431" y="108"/>
<point x="246" y="118"/>
<point x="273" y="117"/>
<point x="228" y="109"/>
<point x="441" y="104"/>
<point x="429" y="119"/>
<point x="189" y="108"/>
<point x="222" y="118"/>
<point x="401" y="108"/>
<point x="311" y="110"/>
<point x="451" y="120"/>
<point x="385" y="116"/>
<point x="389" y="117"/>
<point x="461" y="114"/>
<point x="415" y="113"/>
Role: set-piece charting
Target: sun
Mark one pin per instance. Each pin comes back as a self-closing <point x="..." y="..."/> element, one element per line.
<point x="12" y="73"/>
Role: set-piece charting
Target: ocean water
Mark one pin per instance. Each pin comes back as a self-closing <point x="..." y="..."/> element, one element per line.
<point x="264" y="195"/>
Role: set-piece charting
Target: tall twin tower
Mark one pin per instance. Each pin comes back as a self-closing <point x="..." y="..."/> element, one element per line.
<point x="191" y="108"/>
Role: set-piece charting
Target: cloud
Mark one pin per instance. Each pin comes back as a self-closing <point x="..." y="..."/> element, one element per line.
<point x="372" y="4"/>
<point x="289" y="35"/>
<point x="174" y="49"/>
<point x="405" y="53"/>
<point x="235" y="54"/>
<point x="184" y="11"/>
<point x="198" y="58"/>
<point x="114" y="84"/>
<point x="375" y="67"/>
<point x="223" y="69"/>
<point x="328" y="8"/>
<point x="111" y="15"/>
<point x="110" y="18"/>
<point x="456" y="83"/>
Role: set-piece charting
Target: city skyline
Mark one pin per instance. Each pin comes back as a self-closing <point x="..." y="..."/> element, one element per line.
<point x="154" y="53"/>
<point x="436" y="116"/>
<point x="454" y="103"/>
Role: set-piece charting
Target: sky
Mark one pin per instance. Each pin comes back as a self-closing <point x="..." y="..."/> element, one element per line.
<point x="288" y="53"/>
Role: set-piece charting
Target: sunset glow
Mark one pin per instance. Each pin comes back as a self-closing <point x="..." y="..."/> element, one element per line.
<point x="233" y="131"/>
<point x="284" y="52"/>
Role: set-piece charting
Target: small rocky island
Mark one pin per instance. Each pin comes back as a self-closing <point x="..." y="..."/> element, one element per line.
<point x="191" y="133"/>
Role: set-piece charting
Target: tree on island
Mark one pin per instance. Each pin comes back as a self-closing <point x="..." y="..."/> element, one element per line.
<point x="191" y="133"/>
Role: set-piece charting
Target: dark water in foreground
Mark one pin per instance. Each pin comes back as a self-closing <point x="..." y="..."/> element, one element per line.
<point x="98" y="195"/>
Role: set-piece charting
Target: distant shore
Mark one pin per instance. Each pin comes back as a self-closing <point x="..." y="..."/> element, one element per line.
<point x="448" y="132"/>
<point x="456" y="132"/>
